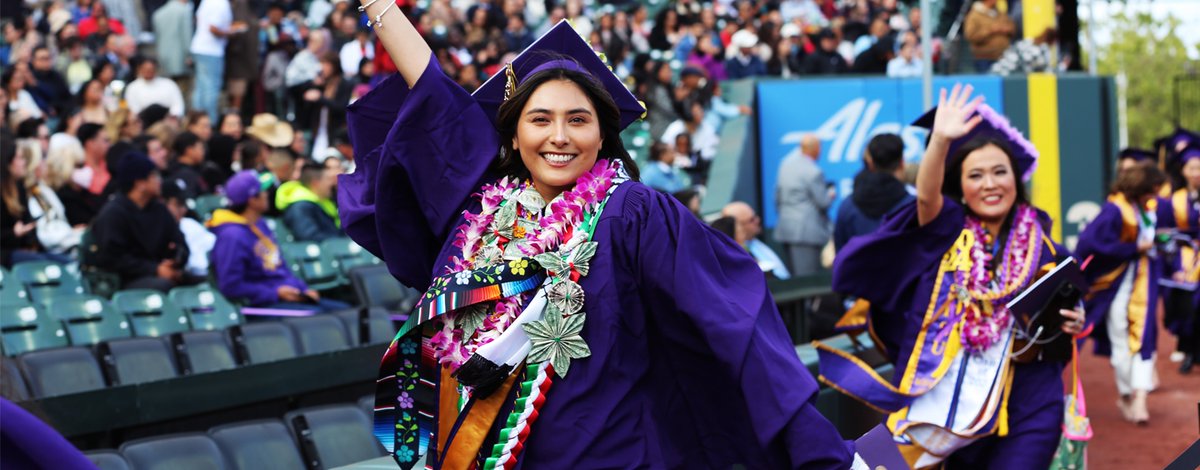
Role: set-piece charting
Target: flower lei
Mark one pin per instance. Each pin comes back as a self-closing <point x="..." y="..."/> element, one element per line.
<point x="984" y="294"/>
<point x="513" y="223"/>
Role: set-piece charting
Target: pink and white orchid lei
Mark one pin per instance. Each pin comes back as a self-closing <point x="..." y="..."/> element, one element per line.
<point x="986" y="318"/>
<point x="555" y="226"/>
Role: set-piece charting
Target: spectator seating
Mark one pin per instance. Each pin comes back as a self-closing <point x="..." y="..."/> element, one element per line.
<point x="376" y="287"/>
<point x="367" y="404"/>
<point x="61" y="371"/>
<point x="98" y="281"/>
<point x="12" y="383"/>
<point x="332" y="436"/>
<point x="25" y="329"/>
<point x="306" y="261"/>
<point x="107" y="460"/>
<point x="205" y="307"/>
<point x="257" y="343"/>
<point x="150" y="312"/>
<point x="258" y="445"/>
<point x="345" y="255"/>
<point x="174" y="452"/>
<point x="45" y="279"/>
<point x="367" y="325"/>
<point x="88" y="319"/>
<point x="282" y="233"/>
<point x="198" y="352"/>
<point x="205" y="205"/>
<point x="11" y="290"/>
<point x="319" y="333"/>
<point x="137" y="360"/>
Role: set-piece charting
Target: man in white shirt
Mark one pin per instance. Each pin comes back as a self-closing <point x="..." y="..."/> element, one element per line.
<point x="150" y="89"/>
<point x="355" y="51"/>
<point x="908" y="63"/>
<point x="214" y="23"/>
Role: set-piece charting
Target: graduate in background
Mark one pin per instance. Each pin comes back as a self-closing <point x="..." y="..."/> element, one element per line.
<point x="1124" y="268"/>
<point x="971" y="388"/>
<point x="1181" y="212"/>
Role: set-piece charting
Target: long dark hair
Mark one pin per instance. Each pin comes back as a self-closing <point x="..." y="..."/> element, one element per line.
<point x="607" y="115"/>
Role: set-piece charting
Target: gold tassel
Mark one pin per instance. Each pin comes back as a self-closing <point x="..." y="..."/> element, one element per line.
<point x="510" y="82"/>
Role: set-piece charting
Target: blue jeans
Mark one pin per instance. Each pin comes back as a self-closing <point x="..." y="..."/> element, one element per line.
<point x="210" y="72"/>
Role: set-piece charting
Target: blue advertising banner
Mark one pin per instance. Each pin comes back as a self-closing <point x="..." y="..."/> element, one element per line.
<point x="845" y="114"/>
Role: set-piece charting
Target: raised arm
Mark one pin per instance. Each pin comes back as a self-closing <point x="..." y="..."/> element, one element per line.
<point x="403" y="43"/>
<point x="953" y="120"/>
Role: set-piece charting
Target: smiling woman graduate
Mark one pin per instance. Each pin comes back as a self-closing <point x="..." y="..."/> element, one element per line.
<point x="971" y="388"/>
<point x="575" y="318"/>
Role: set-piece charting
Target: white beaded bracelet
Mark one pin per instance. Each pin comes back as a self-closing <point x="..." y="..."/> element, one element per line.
<point x="378" y="23"/>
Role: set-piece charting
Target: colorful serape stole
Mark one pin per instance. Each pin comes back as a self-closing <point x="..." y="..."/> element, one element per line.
<point x="406" y="394"/>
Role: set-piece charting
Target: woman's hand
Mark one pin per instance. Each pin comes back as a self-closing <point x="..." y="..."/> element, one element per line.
<point x="1179" y="276"/>
<point x="1074" y="324"/>
<point x="1144" y="246"/>
<point x="953" y="118"/>
<point x="21" y="229"/>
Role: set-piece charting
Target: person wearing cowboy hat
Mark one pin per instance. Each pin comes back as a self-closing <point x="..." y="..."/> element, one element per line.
<point x="270" y="130"/>
<point x="745" y="62"/>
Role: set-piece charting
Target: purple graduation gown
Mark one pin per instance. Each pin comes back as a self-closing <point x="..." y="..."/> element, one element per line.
<point x="27" y="443"/>
<point x="1180" y="212"/>
<point x="691" y="365"/>
<point x="1110" y="241"/>
<point x="895" y="268"/>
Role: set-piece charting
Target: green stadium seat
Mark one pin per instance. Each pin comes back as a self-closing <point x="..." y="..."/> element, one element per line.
<point x="305" y="260"/>
<point x="202" y="351"/>
<point x="61" y="371"/>
<point x="344" y="254"/>
<point x="261" y="342"/>
<point x="88" y="319"/>
<point x="96" y="281"/>
<point x="205" y="307"/>
<point x="335" y="435"/>
<point x="25" y="328"/>
<point x="282" y="233"/>
<point x="12" y="292"/>
<point x="137" y="360"/>
<point x="204" y="206"/>
<point x="150" y="312"/>
<point x="44" y="280"/>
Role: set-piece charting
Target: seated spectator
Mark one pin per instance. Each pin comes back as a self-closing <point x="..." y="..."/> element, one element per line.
<point x="825" y="60"/>
<point x="280" y="168"/>
<point x="21" y="103"/>
<point x="231" y="125"/>
<point x="54" y="232"/>
<point x="48" y="86"/>
<point x="747" y="229"/>
<point x="1026" y="56"/>
<point x="878" y="189"/>
<point x="308" y="209"/>
<point x="186" y="169"/>
<point x="246" y="258"/>
<point x="988" y="32"/>
<point x="878" y="30"/>
<point x="745" y="62"/>
<point x="690" y="198"/>
<point x="90" y="186"/>
<point x="908" y="63"/>
<point x="199" y="240"/>
<point x="704" y="138"/>
<point x="136" y="234"/>
<point x="726" y="225"/>
<point x="660" y="172"/>
<point x="90" y="100"/>
<point x="149" y="88"/>
<point x="874" y="61"/>
<point x="198" y="122"/>
<point x="18" y="237"/>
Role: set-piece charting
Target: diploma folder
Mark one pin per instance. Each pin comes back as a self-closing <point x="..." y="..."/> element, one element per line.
<point x="1039" y="304"/>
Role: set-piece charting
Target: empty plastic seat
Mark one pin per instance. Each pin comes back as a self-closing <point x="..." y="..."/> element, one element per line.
<point x="137" y="360"/>
<point x="24" y="328"/>
<point x="150" y="312"/>
<point x="202" y="351"/>
<point x="207" y="204"/>
<point x="376" y="287"/>
<point x="258" y="445"/>
<point x="11" y="290"/>
<point x="88" y="319"/>
<point x="61" y="371"/>
<point x="367" y="404"/>
<point x="319" y="333"/>
<point x="344" y="254"/>
<point x="282" y="233"/>
<point x="305" y="260"/>
<point x="46" y="279"/>
<point x="367" y="325"/>
<point x="107" y="459"/>
<point x="256" y="343"/>
<point x="205" y="307"/>
<point x="332" y="436"/>
<point x="192" y="451"/>
<point x="12" y="383"/>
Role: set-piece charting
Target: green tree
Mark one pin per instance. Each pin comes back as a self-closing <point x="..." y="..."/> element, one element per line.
<point x="1150" y="54"/>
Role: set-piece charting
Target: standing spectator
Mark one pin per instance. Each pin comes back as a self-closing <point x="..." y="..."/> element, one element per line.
<point x="745" y="62"/>
<point x="241" y="54"/>
<point x="246" y="257"/>
<point x="908" y="63"/>
<point x="989" y="32"/>
<point x="659" y="100"/>
<point x="354" y="52"/>
<point x="825" y="60"/>
<point x="174" y="26"/>
<point x="747" y="228"/>
<point x="324" y="103"/>
<point x="307" y="64"/>
<point x="660" y="172"/>
<point x="214" y="24"/>
<point x="131" y="14"/>
<point x="48" y="87"/>
<point x="803" y="196"/>
<point x="1027" y="56"/>
<point x="308" y="209"/>
<point x="149" y="88"/>
<point x="186" y="169"/>
<point x="137" y="237"/>
<point x="878" y="189"/>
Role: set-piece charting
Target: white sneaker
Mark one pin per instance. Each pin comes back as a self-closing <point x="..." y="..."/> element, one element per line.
<point x="1177" y="356"/>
